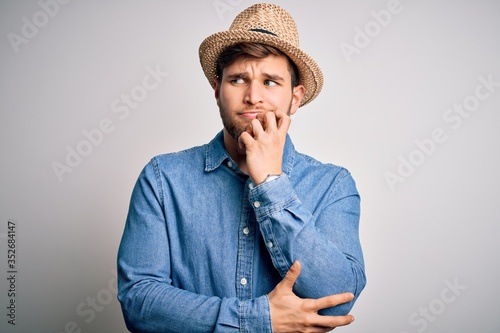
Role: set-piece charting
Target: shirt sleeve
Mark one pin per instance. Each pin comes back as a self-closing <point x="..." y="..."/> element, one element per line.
<point x="149" y="301"/>
<point x="326" y="243"/>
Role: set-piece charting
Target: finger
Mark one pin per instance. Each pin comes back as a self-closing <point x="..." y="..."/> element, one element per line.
<point x="244" y="139"/>
<point x="283" y="121"/>
<point x="328" y="301"/>
<point x="256" y="127"/>
<point x="262" y="118"/>
<point x="291" y="276"/>
<point x="249" y="129"/>
<point x="333" y="321"/>
<point x="320" y="329"/>
<point x="270" y="121"/>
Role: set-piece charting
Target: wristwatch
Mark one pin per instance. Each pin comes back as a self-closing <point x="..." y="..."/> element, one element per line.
<point x="270" y="177"/>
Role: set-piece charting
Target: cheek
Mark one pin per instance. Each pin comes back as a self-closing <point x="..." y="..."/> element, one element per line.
<point x="280" y="101"/>
<point x="222" y="102"/>
<point x="230" y="97"/>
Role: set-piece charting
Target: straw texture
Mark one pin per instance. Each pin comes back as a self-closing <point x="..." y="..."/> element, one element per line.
<point x="273" y="26"/>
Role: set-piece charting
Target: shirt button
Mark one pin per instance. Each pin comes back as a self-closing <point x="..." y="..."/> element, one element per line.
<point x="269" y="244"/>
<point x="250" y="186"/>
<point x="230" y="164"/>
<point x="243" y="281"/>
<point x="256" y="204"/>
<point x="246" y="231"/>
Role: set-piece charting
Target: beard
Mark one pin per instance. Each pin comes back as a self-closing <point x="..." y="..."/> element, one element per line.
<point x="234" y="125"/>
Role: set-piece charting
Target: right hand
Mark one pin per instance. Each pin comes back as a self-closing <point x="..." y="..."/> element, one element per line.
<point x="290" y="313"/>
<point x="264" y="142"/>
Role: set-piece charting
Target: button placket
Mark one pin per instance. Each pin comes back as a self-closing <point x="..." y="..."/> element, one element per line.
<point x="246" y="244"/>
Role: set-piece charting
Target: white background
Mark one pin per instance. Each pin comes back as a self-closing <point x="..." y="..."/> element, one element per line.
<point x="437" y="225"/>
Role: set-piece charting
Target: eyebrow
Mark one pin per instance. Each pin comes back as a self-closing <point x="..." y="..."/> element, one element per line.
<point x="236" y="75"/>
<point x="274" y="77"/>
<point x="241" y="75"/>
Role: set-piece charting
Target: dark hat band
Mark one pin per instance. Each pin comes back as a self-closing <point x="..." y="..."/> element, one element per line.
<point x="264" y="32"/>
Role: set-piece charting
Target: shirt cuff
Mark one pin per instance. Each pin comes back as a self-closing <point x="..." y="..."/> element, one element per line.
<point x="272" y="196"/>
<point x="255" y="315"/>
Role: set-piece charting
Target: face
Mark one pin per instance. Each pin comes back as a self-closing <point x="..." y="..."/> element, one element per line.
<point x="250" y="86"/>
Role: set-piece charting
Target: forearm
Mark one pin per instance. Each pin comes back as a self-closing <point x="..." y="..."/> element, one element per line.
<point x="326" y="243"/>
<point x="152" y="303"/>
<point x="155" y="307"/>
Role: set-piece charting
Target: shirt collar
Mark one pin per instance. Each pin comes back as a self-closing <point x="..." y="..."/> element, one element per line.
<point x="216" y="154"/>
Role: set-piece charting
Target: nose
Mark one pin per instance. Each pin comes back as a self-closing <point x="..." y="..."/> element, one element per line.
<point x="254" y="93"/>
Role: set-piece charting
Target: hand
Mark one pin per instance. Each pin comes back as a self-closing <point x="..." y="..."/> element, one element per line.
<point x="289" y="313"/>
<point x="264" y="141"/>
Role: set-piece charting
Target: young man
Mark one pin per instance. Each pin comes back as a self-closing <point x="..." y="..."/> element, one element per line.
<point x="244" y="234"/>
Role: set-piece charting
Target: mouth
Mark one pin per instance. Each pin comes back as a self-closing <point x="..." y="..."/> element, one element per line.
<point x="249" y="115"/>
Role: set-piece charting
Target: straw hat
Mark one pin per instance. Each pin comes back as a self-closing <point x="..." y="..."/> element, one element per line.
<point x="266" y="24"/>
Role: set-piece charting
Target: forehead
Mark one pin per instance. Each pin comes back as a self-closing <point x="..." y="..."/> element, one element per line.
<point x="272" y="64"/>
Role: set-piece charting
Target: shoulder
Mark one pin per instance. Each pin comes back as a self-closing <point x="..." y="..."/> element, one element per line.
<point x="312" y="164"/>
<point x="331" y="176"/>
<point x="181" y="158"/>
<point x="175" y="164"/>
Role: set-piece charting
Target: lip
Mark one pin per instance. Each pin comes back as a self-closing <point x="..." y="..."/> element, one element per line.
<point x="250" y="114"/>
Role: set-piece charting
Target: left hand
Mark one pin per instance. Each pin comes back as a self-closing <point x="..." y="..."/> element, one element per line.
<point x="289" y="313"/>
<point x="264" y="142"/>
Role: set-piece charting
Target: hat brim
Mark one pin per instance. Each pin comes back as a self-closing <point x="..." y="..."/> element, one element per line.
<point x="310" y="73"/>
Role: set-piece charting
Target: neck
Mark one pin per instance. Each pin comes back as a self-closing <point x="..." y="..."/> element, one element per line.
<point x="237" y="154"/>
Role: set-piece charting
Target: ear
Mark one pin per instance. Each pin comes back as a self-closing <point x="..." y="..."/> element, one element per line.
<point x="217" y="90"/>
<point x="297" y="95"/>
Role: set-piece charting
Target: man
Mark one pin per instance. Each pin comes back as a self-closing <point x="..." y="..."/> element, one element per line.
<point x="244" y="234"/>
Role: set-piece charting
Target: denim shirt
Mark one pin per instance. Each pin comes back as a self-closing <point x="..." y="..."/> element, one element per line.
<point x="203" y="245"/>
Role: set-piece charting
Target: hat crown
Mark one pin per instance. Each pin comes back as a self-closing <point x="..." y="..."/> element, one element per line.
<point x="268" y="18"/>
<point x="265" y="24"/>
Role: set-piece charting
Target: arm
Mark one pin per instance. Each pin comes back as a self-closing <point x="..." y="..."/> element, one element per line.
<point x="327" y="242"/>
<point x="150" y="303"/>
<point x="293" y="314"/>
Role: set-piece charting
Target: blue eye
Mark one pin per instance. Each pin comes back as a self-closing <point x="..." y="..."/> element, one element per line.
<point x="270" y="83"/>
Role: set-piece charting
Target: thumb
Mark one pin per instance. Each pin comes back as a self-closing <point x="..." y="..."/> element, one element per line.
<point x="243" y="139"/>
<point x="291" y="276"/>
